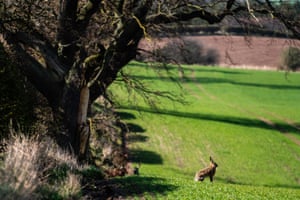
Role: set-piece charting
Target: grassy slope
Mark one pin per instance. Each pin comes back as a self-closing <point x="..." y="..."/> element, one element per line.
<point x="232" y="115"/>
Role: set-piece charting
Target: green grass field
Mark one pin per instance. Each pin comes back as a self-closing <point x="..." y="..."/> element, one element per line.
<point x="247" y="120"/>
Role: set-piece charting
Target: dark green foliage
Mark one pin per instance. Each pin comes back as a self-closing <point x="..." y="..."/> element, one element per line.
<point x="291" y="58"/>
<point x="59" y="173"/>
<point x="46" y="193"/>
<point x="17" y="96"/>
<point x="92" y="172"/>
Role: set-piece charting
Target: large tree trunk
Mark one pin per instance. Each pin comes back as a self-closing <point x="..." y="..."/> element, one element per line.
<point x="67" y="74"/>
<point x="72" y="113"/>
<point x="83" y="126"/>
<point x="71" y="119"/>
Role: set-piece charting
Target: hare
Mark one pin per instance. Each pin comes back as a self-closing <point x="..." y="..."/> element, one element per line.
<point x="208" y="171"/>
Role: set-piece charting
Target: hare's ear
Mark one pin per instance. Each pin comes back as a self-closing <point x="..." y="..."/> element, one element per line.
<point x="210" y="158"/>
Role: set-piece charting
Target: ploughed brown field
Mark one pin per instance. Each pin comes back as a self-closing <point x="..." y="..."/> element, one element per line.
<point x="239" y="51"/>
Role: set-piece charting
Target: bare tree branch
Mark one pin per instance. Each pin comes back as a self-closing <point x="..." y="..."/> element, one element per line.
<point x="67" y="34"/>
<point x="199" y="13"/>
<point x="294" y="26"/>
<point x="47" y="80"/>
<point x="38" y="43"/>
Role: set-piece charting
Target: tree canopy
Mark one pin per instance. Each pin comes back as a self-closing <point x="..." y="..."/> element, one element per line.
<point x="72" y="50"/>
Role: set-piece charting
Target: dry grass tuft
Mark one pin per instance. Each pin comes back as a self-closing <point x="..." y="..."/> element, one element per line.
<point x="71" y="186"/>
<point x="20" y="170"/>
<point x="30" y="164"/>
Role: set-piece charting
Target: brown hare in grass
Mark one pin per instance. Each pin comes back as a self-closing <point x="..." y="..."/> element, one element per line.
<point x="208" y="171"/>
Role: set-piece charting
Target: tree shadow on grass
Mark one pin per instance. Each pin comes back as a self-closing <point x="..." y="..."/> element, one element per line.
<point x="128" y="187"/>
<point x="135" y="133"/>
<point x="216" y="80"/>
<point x="147" y="157"/>
<point x="217" y="70"/>
<point x="185" y="67"/>
<point x="247" y="122"/>
<point x="125" y="115"/>
<point x="230" y="180"/>
<point x="138" y="185"/>
<point x="135" y="128"/>
<point x="137" y="138"/>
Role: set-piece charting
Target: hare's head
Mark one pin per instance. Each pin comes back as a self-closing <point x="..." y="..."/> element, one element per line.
<point x="213" y="163"/>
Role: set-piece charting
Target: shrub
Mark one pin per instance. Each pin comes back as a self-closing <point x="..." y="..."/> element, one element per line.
<point x="291" y="58"/>
<point x="192" y="52"/>
<point x="184" y="51"/>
